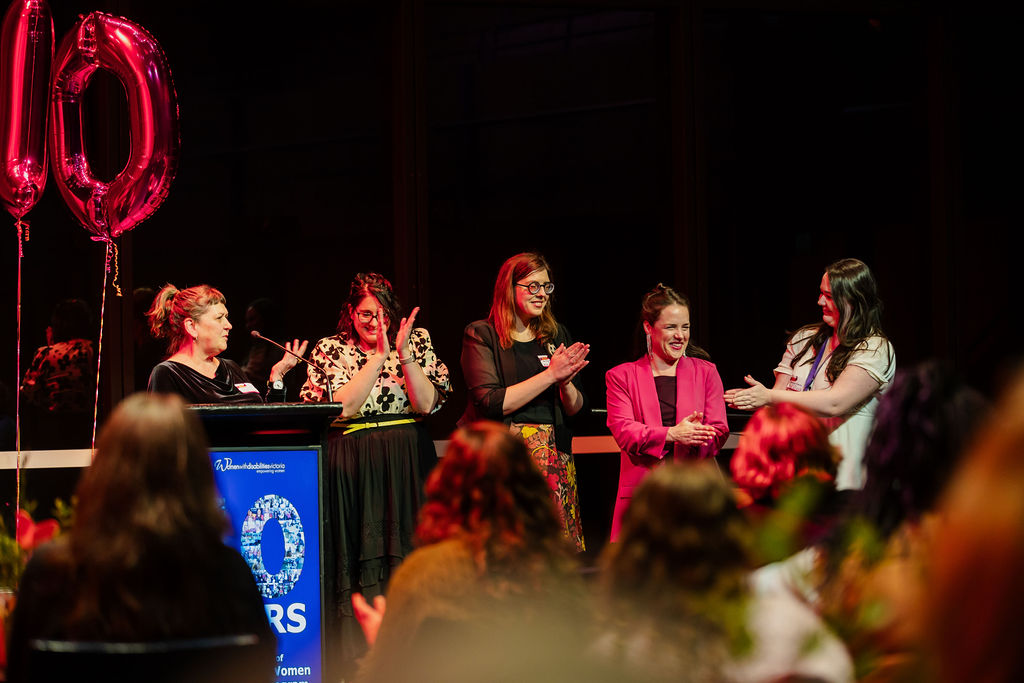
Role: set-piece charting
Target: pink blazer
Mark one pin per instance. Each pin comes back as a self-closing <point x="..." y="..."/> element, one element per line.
<point x="634" y="418"/>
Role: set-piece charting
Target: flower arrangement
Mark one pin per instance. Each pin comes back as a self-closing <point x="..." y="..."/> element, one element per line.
<point x="15" y="551"/>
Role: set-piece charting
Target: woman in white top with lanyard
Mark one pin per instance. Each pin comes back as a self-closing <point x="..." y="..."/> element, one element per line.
<point x="837" y="368"/>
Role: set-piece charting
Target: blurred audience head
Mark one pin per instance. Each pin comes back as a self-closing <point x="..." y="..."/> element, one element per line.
<point x="487" y="491"/>
<point x="975" y="598"/>
<point x="781" y="442"/>
<point x="151" y="474"/>
<point x="682" y="537"/>
<point x="923" y="425"/>
<point x="146" y="524"/>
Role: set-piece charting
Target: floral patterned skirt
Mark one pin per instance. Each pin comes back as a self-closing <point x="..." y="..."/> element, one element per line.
<point x="559" y="470"/>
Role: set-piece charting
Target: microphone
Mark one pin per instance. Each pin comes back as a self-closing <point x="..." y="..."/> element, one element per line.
<point x="308" y="361"/>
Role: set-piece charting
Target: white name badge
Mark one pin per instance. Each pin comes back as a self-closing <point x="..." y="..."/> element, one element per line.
<point x="794" y="384"/>
<point x="544" y="359"/>
<point x="247" y="388"/>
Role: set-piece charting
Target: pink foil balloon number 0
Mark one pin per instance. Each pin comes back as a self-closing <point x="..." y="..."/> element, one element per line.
<point x="101" y="41"/>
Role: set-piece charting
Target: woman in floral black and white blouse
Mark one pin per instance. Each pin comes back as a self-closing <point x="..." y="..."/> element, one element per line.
<point x="387" y="377"/>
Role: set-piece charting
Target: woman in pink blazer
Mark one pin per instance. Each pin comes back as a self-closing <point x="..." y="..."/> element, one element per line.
<point x="667" y="405"/>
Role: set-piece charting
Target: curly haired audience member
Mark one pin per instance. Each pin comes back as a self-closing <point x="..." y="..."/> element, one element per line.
<point x="780" y="443"/>
<point x="677" y="602"/>
<point x="873" y="578"/>
<point x="492" y="563"/>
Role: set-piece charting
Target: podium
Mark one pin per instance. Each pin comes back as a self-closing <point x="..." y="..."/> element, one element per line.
<point x="269" y="465"/>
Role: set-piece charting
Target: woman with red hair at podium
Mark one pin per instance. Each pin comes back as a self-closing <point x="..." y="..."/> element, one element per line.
<point x="195" y="323"/>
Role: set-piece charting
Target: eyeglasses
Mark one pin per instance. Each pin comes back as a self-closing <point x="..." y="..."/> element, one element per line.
<point x="366" y="316"/>
<point x="535" y="287"/>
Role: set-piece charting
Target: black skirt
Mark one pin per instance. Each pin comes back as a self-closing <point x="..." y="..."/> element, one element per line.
<point x="372" y="498"/>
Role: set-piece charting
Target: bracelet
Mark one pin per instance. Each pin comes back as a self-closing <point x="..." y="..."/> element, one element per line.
<point x="406" y="361"/>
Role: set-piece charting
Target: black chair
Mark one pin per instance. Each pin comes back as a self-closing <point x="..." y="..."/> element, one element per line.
<point x="236" y="658"/>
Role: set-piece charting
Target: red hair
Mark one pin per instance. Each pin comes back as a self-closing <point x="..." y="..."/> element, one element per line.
<point x="172" y="307"/>
<point x="487" y="491"/>
<point x="780" y="443"/>
<point x="503" y="306"/>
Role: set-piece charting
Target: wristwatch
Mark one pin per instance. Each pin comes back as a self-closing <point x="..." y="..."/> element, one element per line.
<point x="276" y="385"/>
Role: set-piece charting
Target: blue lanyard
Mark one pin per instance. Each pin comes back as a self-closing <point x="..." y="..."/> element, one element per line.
<point x="814" y="368"/>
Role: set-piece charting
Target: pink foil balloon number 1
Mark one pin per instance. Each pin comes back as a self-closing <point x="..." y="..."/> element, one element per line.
<point x="27" y="92"/>
<point x="26" y="51"/>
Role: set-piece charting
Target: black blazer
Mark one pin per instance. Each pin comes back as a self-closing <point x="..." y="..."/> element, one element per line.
<point x="490" y="369"/>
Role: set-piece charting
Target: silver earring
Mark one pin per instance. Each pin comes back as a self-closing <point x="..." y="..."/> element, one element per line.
<point x="648" y="344"/>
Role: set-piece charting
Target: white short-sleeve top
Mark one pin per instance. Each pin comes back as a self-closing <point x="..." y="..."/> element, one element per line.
<point x="850" y="432"/>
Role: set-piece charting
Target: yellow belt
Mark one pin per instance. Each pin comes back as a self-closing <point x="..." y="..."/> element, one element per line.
<point x="373" y="425"/>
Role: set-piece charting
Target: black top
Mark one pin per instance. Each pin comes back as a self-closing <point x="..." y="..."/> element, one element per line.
<point x="49" y="587"/>
<point x="530" y="358"/>
<point x="229" y="385"/>
<point x="490" y="369"/>
<point x="666" y="388"/>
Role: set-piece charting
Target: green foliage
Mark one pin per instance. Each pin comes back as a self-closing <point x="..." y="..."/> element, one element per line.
<point x="780" y="534"/>
<point x="13" y="556"/>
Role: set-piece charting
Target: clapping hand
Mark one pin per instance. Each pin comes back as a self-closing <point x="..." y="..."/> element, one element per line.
<point x="288" y="361"/>
<point x="383" y="345"/>
<point x="748" y="399"/>
<point x="369" y="616"/>
<point x="405" y="332"/>
<point x="691" y="431"/>
<point x="567" y="362"/>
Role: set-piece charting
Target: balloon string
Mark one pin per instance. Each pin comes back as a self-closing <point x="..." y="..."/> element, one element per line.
<point x="99" y="345"/>
<point x="22" y="238"/>
<point x="117" y="273"/>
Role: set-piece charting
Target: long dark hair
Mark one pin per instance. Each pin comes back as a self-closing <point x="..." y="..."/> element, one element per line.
<point x="651" y="306"/>
<point x="377" y="286"/>
<point x="860" y="315"/>
<point x="147" y="520"/>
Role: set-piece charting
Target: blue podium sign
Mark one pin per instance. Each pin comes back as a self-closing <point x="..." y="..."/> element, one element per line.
<point x="271" y="496"/>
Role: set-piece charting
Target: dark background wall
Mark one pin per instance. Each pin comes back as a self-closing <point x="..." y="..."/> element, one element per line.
<point x="730" y="149"/>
